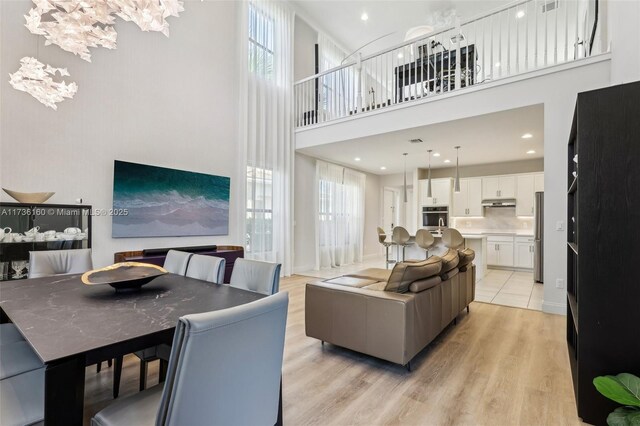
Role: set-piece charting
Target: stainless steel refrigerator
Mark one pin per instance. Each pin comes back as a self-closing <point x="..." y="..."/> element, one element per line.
<point x="538" y="255"/>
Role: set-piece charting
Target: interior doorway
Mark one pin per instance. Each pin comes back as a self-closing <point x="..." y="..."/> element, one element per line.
<point x="390" y="209"/>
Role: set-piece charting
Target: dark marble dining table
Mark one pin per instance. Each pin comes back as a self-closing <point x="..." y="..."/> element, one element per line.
<point x="71" y="325"/>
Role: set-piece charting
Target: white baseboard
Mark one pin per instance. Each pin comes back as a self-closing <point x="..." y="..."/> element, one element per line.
<point x="370" y="256"/>
<point x="303" y="268"/>
<point x="554" y="308"/>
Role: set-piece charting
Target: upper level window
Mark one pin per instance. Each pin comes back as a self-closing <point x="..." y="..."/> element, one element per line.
<point x="261" y="34"/>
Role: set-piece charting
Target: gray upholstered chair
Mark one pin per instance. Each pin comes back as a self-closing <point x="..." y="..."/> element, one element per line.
<point x="214" y="377"/>
<point x="176" y="262"/>
<point x="59" y="262"/>
<point x="17" y="358"/>
<point x="9" y="333"/>
<point x="400" y="237"/>
<point x="22" y="398"/>
<point x="451" y="238"/>
<point x="382" y="238"/>
<point x="206" y="268"/>
<point x="254" y="275"/>
<point x="425" y="240"/>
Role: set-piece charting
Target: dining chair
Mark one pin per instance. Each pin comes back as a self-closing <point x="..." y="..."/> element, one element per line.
<point x="9" y="333"/>
<point x="401" y="238"/>
<point x="215" y="377"/>
<point x="17" y="358"/>
<point x="382" y="239"/>
<point x="22" y="398"/>
<point x="201" y="267"/>
<point x="425" y="240"/>
<point x="59" y="262"/>
<point x="176" y="261"/>
<point x="451" y="238"/>
<point x="255" y="275"/>
<point x="206" y="268"/>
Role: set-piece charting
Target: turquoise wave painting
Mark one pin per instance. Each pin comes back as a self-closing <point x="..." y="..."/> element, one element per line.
<point x="161" y="202"/>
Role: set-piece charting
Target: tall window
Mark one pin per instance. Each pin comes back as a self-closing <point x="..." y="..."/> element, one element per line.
<point x="259" y="237"/>
<point x="340" y="221"/>
<point x="261" y="32"/>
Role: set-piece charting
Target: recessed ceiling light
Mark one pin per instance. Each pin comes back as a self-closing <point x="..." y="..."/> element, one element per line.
<point x="497" y="64"/>
<point x="436" y="154"/>
<point x="400" y="55"/>
<point x="531" y="151"/>
<point x="527" y="136"/>
<point x="357" y="159"/>
<point x="383" y="168"/>
<point x="364" y="16"/>
<point x="447" y="161"/>
<point x="520" y="14"/>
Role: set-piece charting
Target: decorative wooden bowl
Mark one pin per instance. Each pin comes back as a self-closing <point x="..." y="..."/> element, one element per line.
<point x="124" y="276"/>
<point x="29" y="197"/>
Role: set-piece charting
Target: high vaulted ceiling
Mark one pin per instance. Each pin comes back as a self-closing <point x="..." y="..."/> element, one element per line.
<point x="484" y="139"/>
<point x="342" y="19"/>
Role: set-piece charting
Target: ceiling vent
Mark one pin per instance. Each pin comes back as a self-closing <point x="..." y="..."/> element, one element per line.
<point x="417" y="140"/>
<point x="549" y="6"/>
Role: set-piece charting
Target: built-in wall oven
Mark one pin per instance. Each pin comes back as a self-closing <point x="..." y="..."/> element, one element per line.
<point x="435" y="217"/>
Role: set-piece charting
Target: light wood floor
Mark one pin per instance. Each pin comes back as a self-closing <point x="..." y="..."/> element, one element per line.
<point x="498" y="366"/>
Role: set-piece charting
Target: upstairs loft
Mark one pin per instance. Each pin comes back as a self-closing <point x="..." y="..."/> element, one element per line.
<point x="524" y="38"/>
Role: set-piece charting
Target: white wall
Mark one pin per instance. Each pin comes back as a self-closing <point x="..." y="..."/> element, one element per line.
<point x="304" y="211"/>
<point x="169" y="102"/>
<point x="305" y="39"/>
<point x="556" y="91"/>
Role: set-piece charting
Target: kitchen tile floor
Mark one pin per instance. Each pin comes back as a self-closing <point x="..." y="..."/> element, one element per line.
<point x="510" y="288"/>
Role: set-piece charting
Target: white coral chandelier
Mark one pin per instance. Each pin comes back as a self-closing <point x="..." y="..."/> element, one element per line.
<point x="36" y="79"/>
<point x="77" y="25"/>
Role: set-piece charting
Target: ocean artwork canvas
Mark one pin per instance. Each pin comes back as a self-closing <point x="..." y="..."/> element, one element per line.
<point x="151" y="201"/>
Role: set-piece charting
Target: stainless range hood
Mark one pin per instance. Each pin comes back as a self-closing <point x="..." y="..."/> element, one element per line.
<point x="511" y="202"/>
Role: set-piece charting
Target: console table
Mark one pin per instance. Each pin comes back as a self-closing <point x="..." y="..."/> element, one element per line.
<point x="157" y="256"/>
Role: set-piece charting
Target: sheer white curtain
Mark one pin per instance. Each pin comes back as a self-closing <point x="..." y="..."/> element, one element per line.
<point x="334" y="87"/>
<point x="340" y="220"/>
<point x="266" y="131"/>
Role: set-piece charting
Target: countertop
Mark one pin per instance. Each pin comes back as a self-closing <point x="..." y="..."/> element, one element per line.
<point x="513" y="232"/>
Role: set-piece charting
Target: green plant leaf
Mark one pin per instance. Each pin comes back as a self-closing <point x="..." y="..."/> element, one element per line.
<point x="624" y="416"/>
<point x="614" y="389"/>
<point x="632" y="383"/>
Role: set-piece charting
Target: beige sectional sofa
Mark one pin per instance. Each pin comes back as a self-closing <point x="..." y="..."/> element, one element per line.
<point x="391" y="315"/>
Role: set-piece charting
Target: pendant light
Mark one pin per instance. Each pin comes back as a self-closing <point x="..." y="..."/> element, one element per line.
<point x="429" y="175"/>
<point x="405" y="177"/>
<point x="456" y="185"/>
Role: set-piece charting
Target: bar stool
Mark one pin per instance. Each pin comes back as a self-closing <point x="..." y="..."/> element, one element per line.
<point x="382" y="238"/>
<point x="401" y="238"/>
<point x="451" y="238"/>
<point x="425" y="240"/>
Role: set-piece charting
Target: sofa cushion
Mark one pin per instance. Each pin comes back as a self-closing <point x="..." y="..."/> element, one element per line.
<point x="449" y="261"/>
<point x="379" y="286"/>
<point x="422" y="285"/>
<point x="449" y="274"/>
<point x="377" y="274"/>
<point x="404" y="273"/>
<point x="351" y="281"/>
<point x="466" y="256"/>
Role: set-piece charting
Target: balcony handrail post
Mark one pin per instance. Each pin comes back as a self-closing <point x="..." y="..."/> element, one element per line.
<point x="359" y="88"/>
<point x="458" y="62"/>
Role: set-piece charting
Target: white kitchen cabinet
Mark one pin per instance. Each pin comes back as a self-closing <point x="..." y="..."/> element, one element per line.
<point x="441" y="190"/>
<point x="525" y="195"/>
<point x="468" y="202"/>
<point x="538" y="182"/>
<point x="498" y="187"/>
<point x="500" y="251"/>
<point x="524" y="252"/>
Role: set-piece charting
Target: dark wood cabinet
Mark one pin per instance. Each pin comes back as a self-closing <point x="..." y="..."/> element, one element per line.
<point x="603" y="247"/>
<point x="53" y="218"/>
